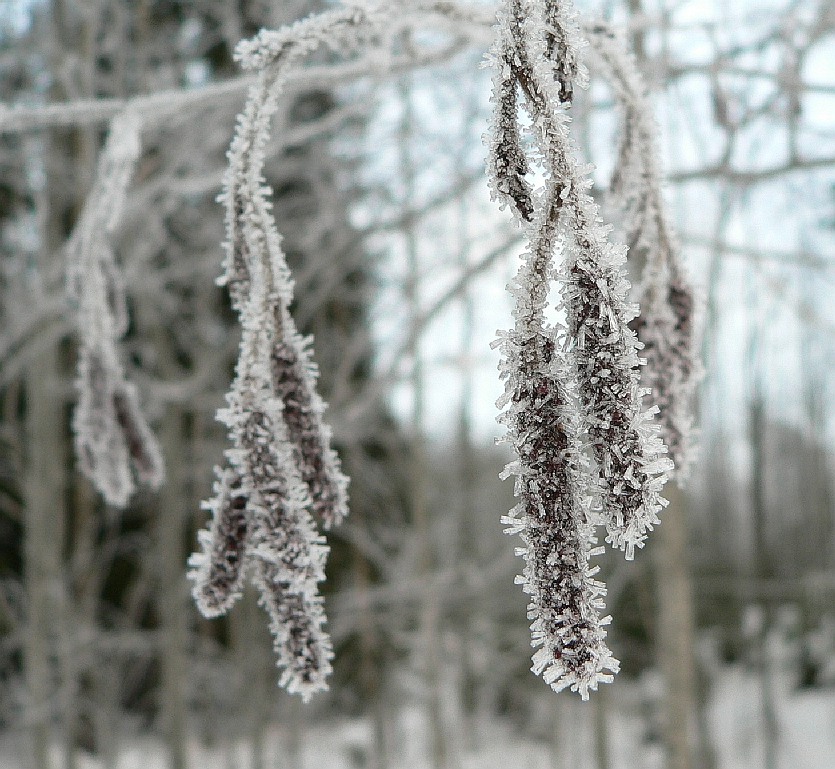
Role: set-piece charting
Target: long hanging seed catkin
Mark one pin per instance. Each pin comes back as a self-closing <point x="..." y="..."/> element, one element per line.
<point x="218" y="569"/>
<point x="553" y="516"/>
<point x="112" y="438"/>
<point x="666" y="325"/>
<point x="283" y="476"/>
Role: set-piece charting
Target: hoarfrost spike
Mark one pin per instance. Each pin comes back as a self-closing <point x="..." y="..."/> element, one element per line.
<point x="553" y="517"/>
<point x="283" y="475"/>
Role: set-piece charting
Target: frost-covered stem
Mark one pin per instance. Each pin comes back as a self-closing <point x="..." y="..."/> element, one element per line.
<point x="666" y="324"/>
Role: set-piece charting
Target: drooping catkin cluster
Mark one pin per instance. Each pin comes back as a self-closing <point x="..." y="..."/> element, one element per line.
<point x="281" y="477"/>
<point x="666" y="324"/>
<point x="113" y="441"/>
<point x="571" y="393"/>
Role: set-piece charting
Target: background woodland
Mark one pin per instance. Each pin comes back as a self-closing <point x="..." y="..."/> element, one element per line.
<point x="725" y="628"/>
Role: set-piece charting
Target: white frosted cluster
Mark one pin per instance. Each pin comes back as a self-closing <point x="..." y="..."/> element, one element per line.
<point x="666" y="325"/>
<point x="629" y="455"/>
<point x="282" y="475"/>
<point x="114" y="444"/>
<point x="587" y="449"/>
<point x="554" y="515"/>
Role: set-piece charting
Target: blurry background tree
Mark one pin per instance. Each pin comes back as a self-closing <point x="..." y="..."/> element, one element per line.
<point x="401" y="261"/>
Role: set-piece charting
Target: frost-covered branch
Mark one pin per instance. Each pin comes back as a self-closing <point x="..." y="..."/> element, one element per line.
<point x="285" y="475"/>
<point x="281" y="458"/>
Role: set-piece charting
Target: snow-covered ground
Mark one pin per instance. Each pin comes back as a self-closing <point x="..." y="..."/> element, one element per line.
<point x="805" y="736"/>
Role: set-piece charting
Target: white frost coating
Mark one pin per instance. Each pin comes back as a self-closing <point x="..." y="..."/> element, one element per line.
<point x="624" y="442"/>
<point x="284" y="361"/>
<point x="218" y="569"/>
<point x="554" y="515"/>
<point x="287" y="476"/>
<point x="556" y="433"/>
<point x="111" y="434"/>
<point x="666" y="325"/>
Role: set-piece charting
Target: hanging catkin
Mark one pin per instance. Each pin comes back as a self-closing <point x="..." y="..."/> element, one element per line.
<point x="572" y="387"/>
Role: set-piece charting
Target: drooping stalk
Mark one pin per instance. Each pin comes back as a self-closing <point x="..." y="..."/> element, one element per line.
<point x="112" y="438"/>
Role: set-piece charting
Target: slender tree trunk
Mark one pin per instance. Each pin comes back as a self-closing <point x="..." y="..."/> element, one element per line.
<point x="706" y="751"/>
<point x="370" y="677"/>
<point x="171" y="508"/>
<point x="254" y="657"/>
<point x="429" y="610"/>
<point x="601" y="729"/>
<point x="294" y="743"/>
<point x="675" y="633"/>
<point x="676" y="618"/>
<point x="44" y="540"/>
<point x="45" y="478"/>
<point x="768" y="712"/>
